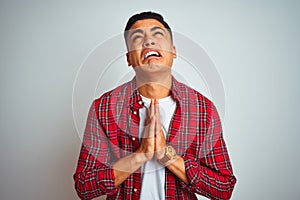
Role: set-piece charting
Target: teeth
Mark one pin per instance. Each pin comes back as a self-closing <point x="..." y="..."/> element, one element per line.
<point x="151" y="53"/>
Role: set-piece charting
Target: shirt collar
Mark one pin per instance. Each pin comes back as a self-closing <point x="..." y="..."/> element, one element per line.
<point x="136" y="100"/>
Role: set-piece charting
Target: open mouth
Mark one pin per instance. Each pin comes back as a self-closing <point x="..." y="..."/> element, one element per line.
<point x="152" y="54"/>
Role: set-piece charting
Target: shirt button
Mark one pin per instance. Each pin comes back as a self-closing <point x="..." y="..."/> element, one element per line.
<point x="133" y="138"/>
<point x="140" y="102"/>
<point x="135" y="190"/>
<point x="134" y="112"/>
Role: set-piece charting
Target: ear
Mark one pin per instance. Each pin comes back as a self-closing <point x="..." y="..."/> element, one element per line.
<point x="174" y="52"/>
<point x="128" y="59"/>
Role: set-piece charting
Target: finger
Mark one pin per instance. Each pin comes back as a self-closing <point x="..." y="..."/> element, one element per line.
<point x="147" y="120"/>
<point x="157" y="115"/>
<point x="151" y="131"/>
<point x="149" y="112"/>
<point x="160" y="137"/>
<point x="152" y="108"/>
<point x="157" y="140"/>
<point x="156" y="103"/>
<point x="160" y="143"/>
<point x="158" y="127"/>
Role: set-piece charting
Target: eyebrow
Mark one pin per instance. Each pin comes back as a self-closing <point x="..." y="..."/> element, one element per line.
<point x="135" y="31"/>
<point x="141" y="30"/>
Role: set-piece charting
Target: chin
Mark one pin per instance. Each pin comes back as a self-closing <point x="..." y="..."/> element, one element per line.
<point x="154" y="65"/>
<point x="157" y="67"/>
<point x="152" y="68"/>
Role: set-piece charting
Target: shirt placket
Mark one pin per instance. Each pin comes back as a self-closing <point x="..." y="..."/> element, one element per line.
<point x="134" y="184"/>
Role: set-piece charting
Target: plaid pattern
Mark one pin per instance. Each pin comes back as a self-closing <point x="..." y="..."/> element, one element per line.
<point x="195" y="132"/>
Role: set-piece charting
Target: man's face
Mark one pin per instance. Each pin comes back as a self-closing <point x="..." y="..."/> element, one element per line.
<point x="149" y="44"/>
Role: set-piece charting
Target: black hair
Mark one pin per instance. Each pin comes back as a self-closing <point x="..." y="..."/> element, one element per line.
<point x="146" y="15"/>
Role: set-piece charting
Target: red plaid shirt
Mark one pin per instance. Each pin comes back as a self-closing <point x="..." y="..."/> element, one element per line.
<point x="195" y="132"/>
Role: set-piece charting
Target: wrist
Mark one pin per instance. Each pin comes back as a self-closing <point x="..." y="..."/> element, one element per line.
<point x="167" y="156"/>
<point x="140" y="157"/>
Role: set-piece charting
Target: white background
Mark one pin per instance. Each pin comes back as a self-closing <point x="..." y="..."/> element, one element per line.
<point x="254" y="44"/>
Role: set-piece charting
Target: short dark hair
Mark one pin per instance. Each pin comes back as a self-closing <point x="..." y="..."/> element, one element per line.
<point x="146" y="15"/>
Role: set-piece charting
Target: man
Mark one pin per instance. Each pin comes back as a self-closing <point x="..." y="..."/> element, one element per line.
<point x="153" y="137"/>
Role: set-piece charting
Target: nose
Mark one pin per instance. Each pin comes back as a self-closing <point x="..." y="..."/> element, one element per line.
<point x="149" y="42"/>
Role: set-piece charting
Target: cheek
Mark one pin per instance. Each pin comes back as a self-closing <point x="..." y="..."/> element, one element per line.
<point x="136" y="46"/>
<point x="135" y="55"/>
<point x="165" y="45"/>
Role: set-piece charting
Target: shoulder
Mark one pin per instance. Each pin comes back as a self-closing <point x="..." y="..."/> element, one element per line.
<point x="191" y="95"/>
<point x="195" y="105"/>
<point x="113" y="95"/>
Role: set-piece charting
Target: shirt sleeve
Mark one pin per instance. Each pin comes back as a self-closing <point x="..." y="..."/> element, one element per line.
<point x="208" y="167"/>
<point x="94" y="174"/>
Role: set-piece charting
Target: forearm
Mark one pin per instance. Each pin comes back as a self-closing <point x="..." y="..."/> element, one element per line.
<point x="212" y="183"/>
<point x="124" y="167"/>
<point x="177" y="167"/>
<point x="87" y="182"/>
<point x="200" y="179"/>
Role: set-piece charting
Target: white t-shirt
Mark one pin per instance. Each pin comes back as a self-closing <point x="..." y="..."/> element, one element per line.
<point x="153" y="178"/>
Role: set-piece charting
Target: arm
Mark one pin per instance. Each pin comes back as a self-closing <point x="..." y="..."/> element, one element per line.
<point x="95" y="175"/>
<point x="205" y="167"/>
<point x="208" y="168"/>
<point x="211" y="176"/>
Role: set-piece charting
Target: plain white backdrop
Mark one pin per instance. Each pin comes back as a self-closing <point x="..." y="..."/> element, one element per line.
<point x="254" y="45"/>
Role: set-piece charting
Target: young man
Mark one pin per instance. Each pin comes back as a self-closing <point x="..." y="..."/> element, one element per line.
<point x="153" y="137"/>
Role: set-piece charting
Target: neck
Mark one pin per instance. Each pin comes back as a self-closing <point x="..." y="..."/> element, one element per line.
<point x="155" y="89"/>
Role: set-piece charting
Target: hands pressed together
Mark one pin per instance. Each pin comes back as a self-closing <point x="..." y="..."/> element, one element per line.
<point x="153" y="141"/>
<point x="152" y="145"/>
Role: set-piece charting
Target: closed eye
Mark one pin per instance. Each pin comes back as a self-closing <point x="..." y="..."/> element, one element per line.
<point x="158" y="33"/>
<point x="136" y="37"/>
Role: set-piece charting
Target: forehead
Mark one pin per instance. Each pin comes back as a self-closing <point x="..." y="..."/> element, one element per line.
<point x="146" y="23"/>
